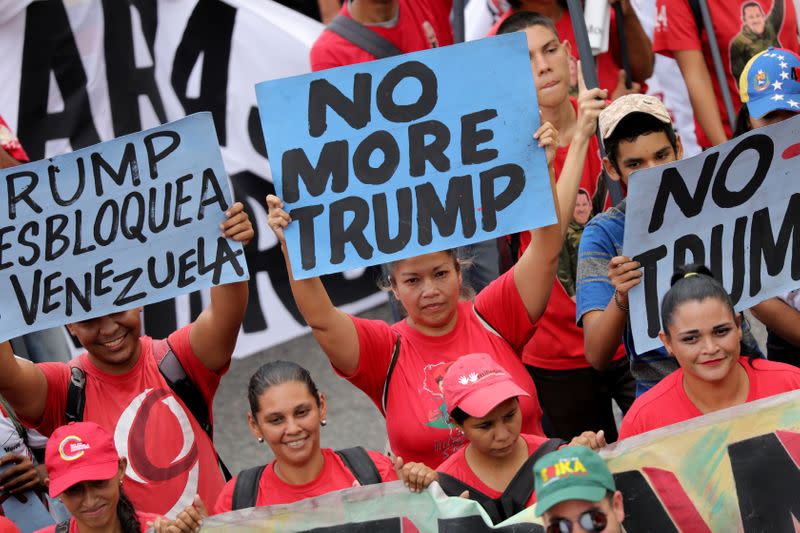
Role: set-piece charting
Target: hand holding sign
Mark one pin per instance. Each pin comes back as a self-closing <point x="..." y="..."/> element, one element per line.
<point x="590" y="103"/>
<point x="624" y="275"/>
<point x="547" y="135"/>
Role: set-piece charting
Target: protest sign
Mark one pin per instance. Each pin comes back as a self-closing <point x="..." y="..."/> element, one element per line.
<point x="734" y="208"/>
<point x="79" y="72"/>
<point x="407" y="155"/>
<point x="117" y="225"/>
<point x="733" y="470"/>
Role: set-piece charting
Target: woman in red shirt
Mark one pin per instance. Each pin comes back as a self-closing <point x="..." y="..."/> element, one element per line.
<point x="495" y="468"/>
<point x="400" y="367"/>
<point x="287" y="411"/>
<point x="702" y="331"/>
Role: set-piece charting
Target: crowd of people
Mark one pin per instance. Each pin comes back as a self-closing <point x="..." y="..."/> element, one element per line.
<point x="487" y="388"/>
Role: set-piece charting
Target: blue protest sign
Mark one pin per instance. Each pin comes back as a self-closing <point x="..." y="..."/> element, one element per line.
<point x="407" y="155"/>
<point x="118" y="225"/>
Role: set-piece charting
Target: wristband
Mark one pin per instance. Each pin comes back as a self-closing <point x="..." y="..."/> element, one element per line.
<point x="621" y="307"/>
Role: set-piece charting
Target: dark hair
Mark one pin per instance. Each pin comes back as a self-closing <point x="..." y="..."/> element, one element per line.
<point x="461" y="264"/>
<point x="690" y="283"/>
<point x="459" y="416"/>
<point x="751" y="4"/>
<point x="742" y="121"/>
<point x="522" y="20"/>
<point x="129" y="523"/>
<point x="633" y="126"/>
<point x="516" y="4"/>
<point x="584" y="192"/>
<point x="277" y="373"/>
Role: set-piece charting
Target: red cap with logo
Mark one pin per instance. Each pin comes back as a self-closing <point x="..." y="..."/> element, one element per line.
<point x="477" y="384"/>
<point x="80" y="451"/>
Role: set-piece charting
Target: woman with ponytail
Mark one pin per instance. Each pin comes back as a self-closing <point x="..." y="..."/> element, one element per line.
<point x="700" y="328"/>
<point x="85" y="472"/>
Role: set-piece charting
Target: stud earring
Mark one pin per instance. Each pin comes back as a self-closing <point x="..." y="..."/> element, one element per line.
<point x="323" y="422"/>
<point x="261" y="440"/>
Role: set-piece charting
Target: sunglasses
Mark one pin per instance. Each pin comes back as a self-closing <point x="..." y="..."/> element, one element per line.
<point x="593" y="520"/>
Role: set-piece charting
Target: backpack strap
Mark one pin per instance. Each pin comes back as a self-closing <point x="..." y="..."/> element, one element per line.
<point x="698" y="16"/>
<point x="76" y="392"/>
<point x="62" y="527"/>
<point x="353" y="31"/>
<point x="245" y="490"/>
<point x="182" y="385"/>
<point x="485" y="323"/>
<point x="455" y="487"/>
<point x="358" y="461"/>
<point x="392" y="364"/>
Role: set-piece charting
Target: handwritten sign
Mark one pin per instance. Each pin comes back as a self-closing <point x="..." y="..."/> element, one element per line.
<point x="735" y="208"/>
<point x="114" y="226"/>
<point x="413" y="154"/>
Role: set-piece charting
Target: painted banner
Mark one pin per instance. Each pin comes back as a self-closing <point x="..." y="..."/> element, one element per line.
<point x="734" y="208"/>
<point x="117" y="225"/>
<point x="407" y="155"/>
<point x="733" y="470"/>
<point x="79" y="72"/>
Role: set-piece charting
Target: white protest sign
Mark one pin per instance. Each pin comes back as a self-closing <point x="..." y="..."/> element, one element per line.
<point x="734" y="208"/>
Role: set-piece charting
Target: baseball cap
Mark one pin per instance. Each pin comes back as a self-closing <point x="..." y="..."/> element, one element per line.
<point x="477" y="384"/>
<point x="80" y="451"/>
<point x="769" y="82"/>
<point x="623" y="106"/>
<point x="571" y="473"/>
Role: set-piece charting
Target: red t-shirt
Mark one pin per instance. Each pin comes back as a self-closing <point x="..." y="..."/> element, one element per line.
<point x="676" y="30"/>
<point x="558" y="341"/>
<point x="458" y="467"/>
<point x="416" y="416"/>
<point x="421" y="24"/>
<point x="607" y="67"/>
<point x="170" y="457"/>
<point x="10" y="143"/>
<point x="334" y="475"/>
<point x="667" y="402"/>
<point x="143" y="518"/>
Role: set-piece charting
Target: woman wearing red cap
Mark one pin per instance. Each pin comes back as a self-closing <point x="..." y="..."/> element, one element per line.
<point x="398" y="366"/>
<point x="86" y="473"/>
<point x="703" y="332"/>
<point x="495" y="468"/>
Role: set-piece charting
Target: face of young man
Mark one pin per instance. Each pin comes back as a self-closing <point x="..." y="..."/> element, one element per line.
<point x="643" y="152"/>
<point x="612" y="512"/>
<point x="550" y="65"/>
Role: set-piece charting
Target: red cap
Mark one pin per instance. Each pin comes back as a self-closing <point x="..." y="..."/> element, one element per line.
<point x="80" y="451"/>
<point x="477" y="384"/>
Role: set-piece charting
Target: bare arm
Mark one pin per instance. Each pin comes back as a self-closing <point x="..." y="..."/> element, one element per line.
<point x="23" y="384"/>
<point x="779" y="317"/>
<point x="213" y="335"/>
<point x="332" y="328"/>
<point x="701" y="93"/>
<point x="328" y="9"/>
<point x="640" y="49"/>
<point x="602" y="330"/>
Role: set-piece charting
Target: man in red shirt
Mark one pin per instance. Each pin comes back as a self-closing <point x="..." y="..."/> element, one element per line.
<point x="410" y="25"/>
<point x="573" y="395"/>
<point x="170" y="457"/>
<point x="742" y="29"/>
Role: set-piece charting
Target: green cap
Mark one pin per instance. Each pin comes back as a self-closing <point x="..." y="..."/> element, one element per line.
<point x="571" y="473"/>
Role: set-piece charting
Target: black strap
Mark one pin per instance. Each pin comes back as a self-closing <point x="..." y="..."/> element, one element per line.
<point x="358" y="461"/>
<point x="698" y="16"/>
<point x="63" y="527"/>
<point x="351" y="30"/>
<point x="21" y="431"/>
<point x="76" y="393"/>
<point x="245" y="490"/>
<point x="389" y="372"/>
<point x="517" y="493"/>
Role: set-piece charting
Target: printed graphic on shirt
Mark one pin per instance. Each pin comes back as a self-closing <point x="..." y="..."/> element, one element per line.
<point x="130" y="440"/>
<point x="759" y="31"/>
<point x="438" y="417"/>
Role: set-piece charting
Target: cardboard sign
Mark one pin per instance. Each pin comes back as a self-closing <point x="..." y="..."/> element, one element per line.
<point x="114" y="226"/>
<point x="733" y="470"/>
<point x="734" y="208"/>
<point x="413" y="154"/>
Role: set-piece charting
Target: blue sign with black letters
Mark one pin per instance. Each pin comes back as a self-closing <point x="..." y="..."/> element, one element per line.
<point x="380" y="161"/>
<point x="114" y="226"/>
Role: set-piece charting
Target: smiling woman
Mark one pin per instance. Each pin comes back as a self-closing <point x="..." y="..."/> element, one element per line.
<point x="703" y="332"/>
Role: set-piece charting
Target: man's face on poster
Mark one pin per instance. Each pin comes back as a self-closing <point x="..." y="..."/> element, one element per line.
<point x="754" y="19"/>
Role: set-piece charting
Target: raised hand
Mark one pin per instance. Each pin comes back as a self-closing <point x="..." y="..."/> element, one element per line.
<point x="277" y="219"/>
<point x="238" y="226"/>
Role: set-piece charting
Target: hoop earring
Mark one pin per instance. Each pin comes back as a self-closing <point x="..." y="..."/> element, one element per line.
<point x="323" y="422"/>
